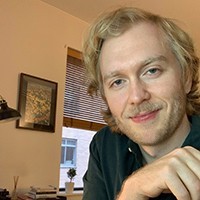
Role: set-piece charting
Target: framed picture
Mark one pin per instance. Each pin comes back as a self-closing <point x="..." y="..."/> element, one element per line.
<point x="37" y="103"/>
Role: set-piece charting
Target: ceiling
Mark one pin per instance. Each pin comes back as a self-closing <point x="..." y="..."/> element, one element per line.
<point x="87" y="10"/>
<point x="185" y="11"/>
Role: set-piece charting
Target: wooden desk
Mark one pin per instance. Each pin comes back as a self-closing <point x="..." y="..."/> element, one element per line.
<point x="76" y="195"/>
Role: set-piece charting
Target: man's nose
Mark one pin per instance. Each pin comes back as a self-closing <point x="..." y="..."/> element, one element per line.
<point x="138" y="92"/>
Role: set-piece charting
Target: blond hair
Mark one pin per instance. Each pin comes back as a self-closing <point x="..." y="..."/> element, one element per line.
<point x="114" y="23"/>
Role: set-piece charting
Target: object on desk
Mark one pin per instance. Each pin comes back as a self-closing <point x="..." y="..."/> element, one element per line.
<point x="42" y="193"/>
<point x="69" y="186"/>
<point x="14" y="193"/>
<point x="41" y="196"/>
<point x="40" y="190"/>
<point x="23" y="197"/>
<point x="3" y="194"/>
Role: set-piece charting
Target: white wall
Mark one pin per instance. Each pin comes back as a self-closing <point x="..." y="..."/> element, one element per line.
<point x="34" y="37"/>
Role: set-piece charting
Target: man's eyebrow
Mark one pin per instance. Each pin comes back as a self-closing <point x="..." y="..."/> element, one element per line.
<point x="110" y="75"/>
<point x="154" y="59"/>
<point x="143" y="63"/>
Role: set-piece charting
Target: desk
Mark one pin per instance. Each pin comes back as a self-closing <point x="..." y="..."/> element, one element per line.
<point x="76" y="195"/>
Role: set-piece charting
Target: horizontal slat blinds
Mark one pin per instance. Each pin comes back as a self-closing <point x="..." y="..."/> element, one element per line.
<point x="80" y="109"/>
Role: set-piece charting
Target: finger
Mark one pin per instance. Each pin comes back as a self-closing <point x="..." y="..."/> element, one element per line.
<point x="191" y="157"/>
<point x="190" y="173"/>
<point x="177" y="187"/>
<point x="191" y="182"/>
<point x="193" y="151"/>
<point x="193" y="162"/>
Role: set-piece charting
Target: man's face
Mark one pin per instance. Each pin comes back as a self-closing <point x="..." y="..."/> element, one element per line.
<point x="143" y="85"/>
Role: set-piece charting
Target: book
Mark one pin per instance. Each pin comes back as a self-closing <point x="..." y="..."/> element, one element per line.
<point x="41" y="196"/>
<point x="23" y="197"/>
<point x="39" y="190"/>
<point x="42" y="192"/>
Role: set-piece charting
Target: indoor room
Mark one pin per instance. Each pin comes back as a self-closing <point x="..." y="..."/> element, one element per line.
<point x="41" y="45"/>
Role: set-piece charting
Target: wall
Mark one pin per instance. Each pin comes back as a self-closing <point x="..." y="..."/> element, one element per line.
<point x="184" y="13"/>
<point x="34" y="38"/>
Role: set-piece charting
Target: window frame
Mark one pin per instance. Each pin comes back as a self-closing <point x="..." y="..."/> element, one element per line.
<point x="65" y="146"/>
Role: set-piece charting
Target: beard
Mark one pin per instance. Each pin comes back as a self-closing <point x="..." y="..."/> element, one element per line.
<point x="156" y="131"/>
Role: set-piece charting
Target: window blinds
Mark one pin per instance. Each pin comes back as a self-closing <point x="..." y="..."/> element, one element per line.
<point x="80" y="109"/>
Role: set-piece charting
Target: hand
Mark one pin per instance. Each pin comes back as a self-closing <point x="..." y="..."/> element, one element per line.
<point x="177" y="172"/>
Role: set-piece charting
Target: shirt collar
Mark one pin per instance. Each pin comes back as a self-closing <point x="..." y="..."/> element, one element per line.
<point x="193" y="138"/>
<point x="135" y="150"/>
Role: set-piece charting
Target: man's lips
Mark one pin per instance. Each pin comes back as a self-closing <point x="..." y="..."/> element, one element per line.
<point x="143" y="117"/>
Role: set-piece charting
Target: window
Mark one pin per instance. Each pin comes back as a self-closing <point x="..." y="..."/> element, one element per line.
<point x="83" y="139"/>
<point x="81" y="120"/>
<point x="80" y="110"/>
<point x="68" y="152"/>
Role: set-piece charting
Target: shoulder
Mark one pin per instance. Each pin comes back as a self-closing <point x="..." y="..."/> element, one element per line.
<point x="195" y="117"/>
<point x="195" y="120"/>
<point x="194" y="136"/>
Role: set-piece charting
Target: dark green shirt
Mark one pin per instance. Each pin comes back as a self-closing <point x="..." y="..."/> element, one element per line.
<point x="113" y="157"/>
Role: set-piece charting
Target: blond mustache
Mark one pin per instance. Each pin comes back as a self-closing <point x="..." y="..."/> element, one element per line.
<point x="143" y="108"/>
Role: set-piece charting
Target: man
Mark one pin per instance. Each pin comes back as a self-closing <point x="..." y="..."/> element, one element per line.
<point x="146" y="70"/>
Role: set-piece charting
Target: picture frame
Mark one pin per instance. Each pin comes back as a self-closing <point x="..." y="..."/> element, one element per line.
<point x="37" y="103"/>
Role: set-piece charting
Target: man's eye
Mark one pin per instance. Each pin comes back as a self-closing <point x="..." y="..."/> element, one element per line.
<point x="152" y="71"/>
<point x="117" y="82"/>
